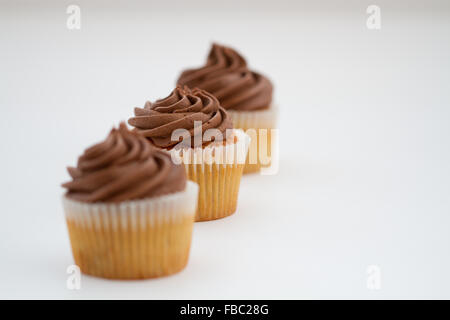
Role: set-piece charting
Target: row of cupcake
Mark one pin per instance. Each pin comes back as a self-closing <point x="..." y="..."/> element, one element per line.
<point x="133" y="198"/>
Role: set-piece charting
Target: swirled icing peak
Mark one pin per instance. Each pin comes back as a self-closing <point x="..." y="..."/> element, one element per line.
<point x="123" y="167"/>
<point x="227" y="77"/>
<point x="180" y="110"/>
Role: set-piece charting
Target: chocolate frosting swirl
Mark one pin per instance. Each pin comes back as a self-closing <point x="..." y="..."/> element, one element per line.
<point x="227" y="77"/>
<point x="179" y="110"/>
<point x="124" y="167"/>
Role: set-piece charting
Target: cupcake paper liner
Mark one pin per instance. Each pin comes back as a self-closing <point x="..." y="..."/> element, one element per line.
<point x="134" y="239"/>
<point x="217" y="169"/>
<point x="261" y="142"/>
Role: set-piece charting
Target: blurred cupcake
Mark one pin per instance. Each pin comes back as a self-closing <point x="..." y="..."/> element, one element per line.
<point x="245" y="94"/>
<point x="213" y="153"/>
<point x="129" y="209"/>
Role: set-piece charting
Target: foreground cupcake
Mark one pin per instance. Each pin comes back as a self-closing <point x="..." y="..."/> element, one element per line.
<point x="129" y="209"/>
<point x="213" y="153"/>
<point x="245" y="94"/>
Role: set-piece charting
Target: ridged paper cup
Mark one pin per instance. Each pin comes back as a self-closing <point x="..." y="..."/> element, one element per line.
<point x="258" y="125"/>
<point x="217" y="169"/>
<point x="140" y="239"/>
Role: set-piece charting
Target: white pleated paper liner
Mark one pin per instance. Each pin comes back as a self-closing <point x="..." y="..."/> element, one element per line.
<point x="257" y="119"/>
<point x="158" y="210"/>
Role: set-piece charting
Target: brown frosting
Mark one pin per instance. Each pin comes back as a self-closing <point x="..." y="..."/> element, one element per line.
<point x="179" y="110"/>
<point x="124" y="167"/>
<point x="227" y="77"/>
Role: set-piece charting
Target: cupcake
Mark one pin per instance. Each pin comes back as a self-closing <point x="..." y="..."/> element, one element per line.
<point x="212" y="152"/>
<point x="245" y="94"/>
<point x="129" y="209"/>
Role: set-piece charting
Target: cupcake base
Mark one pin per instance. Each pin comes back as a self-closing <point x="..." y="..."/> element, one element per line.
<point x="217" y="169"/>
<point x="258" y="125"/>
<point x="261" y="145"/>
<point x="218" y="189"/>
<point x="132" y="240"/>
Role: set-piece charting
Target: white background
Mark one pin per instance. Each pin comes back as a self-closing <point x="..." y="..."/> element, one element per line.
<point x="364" y="143"/>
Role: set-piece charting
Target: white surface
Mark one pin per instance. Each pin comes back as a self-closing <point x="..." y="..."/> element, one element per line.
<point x="365" y="160"/>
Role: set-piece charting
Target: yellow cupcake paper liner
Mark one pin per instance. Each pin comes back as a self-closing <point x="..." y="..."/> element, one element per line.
<point x="258" y="125"/>
<point x="135" y="239"/>
<point x="217" y="169"/>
